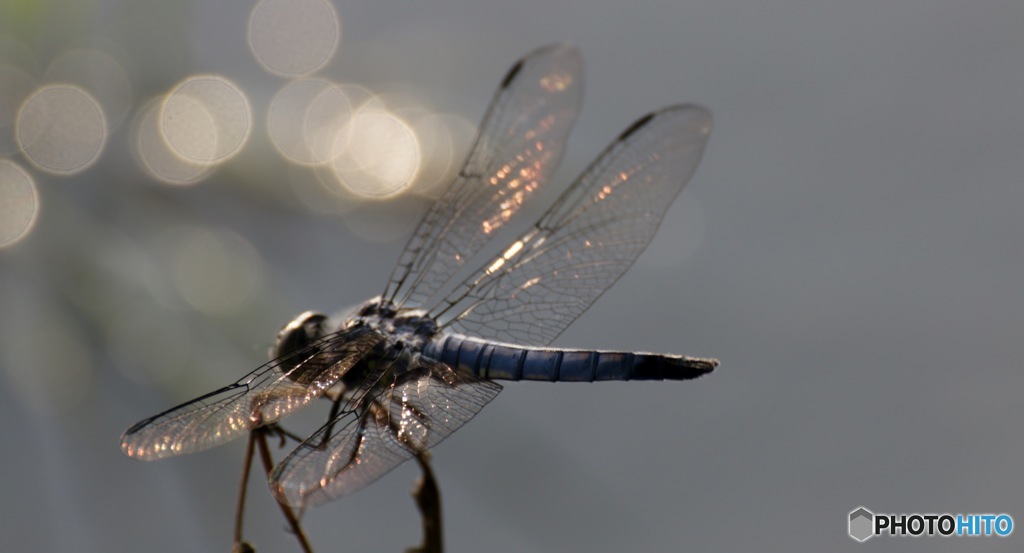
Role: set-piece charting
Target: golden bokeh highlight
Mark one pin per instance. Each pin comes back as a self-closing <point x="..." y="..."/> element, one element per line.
<point x="19" y="203"/>
<point x="188" y="129"/>
<point x="328" y="117"/>
<point x="154" y="155"/>
<point x="357" y="146"/>
<point x="380" y="146"/>
<point x="293" y="37"/>
<point x="382" y="155"/>
<point x="206" y="119"/>
<point x="61" y="129"/>
<point x="98" y="73"/>
<point x="305" y="117"/>
<point x="444" y="140"/>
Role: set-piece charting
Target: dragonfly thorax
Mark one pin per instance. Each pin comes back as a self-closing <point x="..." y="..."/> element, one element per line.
<point x="411" y="328"/>
<point x="404" y="326"/>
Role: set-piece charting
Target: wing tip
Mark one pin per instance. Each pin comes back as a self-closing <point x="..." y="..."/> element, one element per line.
<point x="557" y="49"/>
<point x="132" y="449"/>
<point x="637" y="125"/>
<point x="696" y="115"/>
<point x="511" y="75"/>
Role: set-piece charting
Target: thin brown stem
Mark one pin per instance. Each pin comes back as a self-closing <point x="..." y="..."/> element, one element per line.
<point x="428" y="498"/>
<point x="289" y="515"/>
<point x="242" y="487"/>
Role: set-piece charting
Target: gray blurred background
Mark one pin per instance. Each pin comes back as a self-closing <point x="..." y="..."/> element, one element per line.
<point x="849" y="248"/>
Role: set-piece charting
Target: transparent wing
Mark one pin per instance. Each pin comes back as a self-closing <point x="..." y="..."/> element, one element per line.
<point x="261" y="397"/>
<point x="520" y="143"/>
<point x="423" y="404"/>
<point x="590" y="236"/>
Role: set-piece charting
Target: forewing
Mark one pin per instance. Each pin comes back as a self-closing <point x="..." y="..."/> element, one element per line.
<point x="520" y="142"/>
<point x="423" y="405"/>
<point x="588" y="238"/>
<point x="261" y="397"/>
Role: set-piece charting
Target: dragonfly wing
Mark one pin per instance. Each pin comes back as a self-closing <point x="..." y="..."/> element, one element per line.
<point x="432" y="400"/>
<point x="423" y="404"/>
<point x="357" y="452"/>
<point x="261" y="397"/>
<point x="520" y="142"/>
<point x="588" y="238"/>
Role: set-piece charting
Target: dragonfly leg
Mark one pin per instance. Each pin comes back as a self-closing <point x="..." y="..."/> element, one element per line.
<point x="260" y="436"/>
<point x="331" y="419"/>
<point x="428" y="498"/>
<point x="280" y="432"/>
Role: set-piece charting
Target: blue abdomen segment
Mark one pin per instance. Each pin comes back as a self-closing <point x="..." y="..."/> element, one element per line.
<point x="497" y="361"/>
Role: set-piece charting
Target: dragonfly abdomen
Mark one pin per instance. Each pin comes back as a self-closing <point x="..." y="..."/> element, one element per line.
<point x="498" y="361"/>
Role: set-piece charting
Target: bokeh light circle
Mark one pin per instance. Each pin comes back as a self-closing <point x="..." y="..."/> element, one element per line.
<point x="155" y="156"/>
<point x="19" y="203"/>
<point x="444" y="140"/>
<point x="304" y="118"/>
<point x="198" y="104"/>
<point x="61" y="129"/>
<point x="98" y="73"/>
<point x="382" y="155"/>
<point x="293" y="37"/>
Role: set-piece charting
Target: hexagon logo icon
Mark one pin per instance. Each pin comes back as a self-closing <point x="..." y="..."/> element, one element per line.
<point x="861" y="521"/>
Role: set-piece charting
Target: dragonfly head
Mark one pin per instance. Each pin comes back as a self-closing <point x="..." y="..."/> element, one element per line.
<point x="297" y="334"/>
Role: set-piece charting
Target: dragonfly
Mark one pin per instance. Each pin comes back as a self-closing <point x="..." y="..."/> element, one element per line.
<point x="406" y="369"/>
